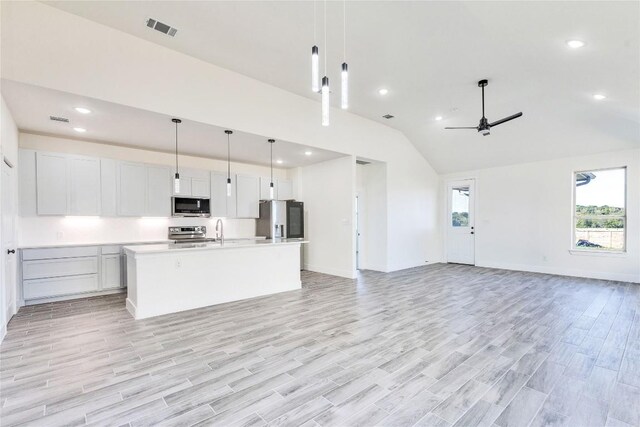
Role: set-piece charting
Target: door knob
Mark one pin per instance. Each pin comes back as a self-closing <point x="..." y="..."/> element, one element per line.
<point x="11" y="251"/>
<point x="472" y="232"/>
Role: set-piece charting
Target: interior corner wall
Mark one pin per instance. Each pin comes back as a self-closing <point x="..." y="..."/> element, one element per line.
<point x="524" y="217"/>
<point x="107" y="64"/>
<point x="328" y="192"/>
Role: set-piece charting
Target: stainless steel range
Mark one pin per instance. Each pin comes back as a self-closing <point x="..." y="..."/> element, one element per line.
<point x="189" y="234"/>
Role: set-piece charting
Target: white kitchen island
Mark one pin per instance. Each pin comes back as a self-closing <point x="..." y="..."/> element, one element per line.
<point x="168" y="278"/>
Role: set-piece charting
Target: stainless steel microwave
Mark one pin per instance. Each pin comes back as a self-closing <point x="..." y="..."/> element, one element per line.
<point x="190" y="206"/>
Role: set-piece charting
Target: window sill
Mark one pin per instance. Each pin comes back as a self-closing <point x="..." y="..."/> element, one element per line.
<point x="587" y="252"/>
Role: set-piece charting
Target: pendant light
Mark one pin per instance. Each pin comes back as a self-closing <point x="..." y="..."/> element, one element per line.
<point x="271" y="142"/>
<point x="176" y="178"/>
<point x="325" y="79"/>
<point x="315" y="63"/>
<point x="228" y="132"/>
<point x="344" y="90"/>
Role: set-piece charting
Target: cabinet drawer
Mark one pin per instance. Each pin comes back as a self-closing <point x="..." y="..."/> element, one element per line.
<point x="111" y="250"/>
<point x="41" y="269"/>
<point x="42" y="288"/>
<point x="47" y="253"/>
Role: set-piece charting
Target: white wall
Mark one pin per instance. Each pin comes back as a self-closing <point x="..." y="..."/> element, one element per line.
<point x="372" y="214"/>
<point x="524" y="217"/>
<point x="44" y="230"/>
<point x="9" y="154"/>
<point x="328" y="192"/>
<point x="107" y="64"/>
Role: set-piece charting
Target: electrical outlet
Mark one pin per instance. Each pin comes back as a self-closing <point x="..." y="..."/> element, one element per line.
<point x="178" y="263"/>
<point x="59" y="235"/>
<point x="544" y="258"/>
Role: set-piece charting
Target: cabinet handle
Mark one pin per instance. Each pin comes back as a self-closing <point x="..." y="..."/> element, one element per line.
<point x="11" y="251"/>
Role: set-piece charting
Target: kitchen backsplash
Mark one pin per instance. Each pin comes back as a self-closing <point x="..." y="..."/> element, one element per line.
<point x="42" y="230"/>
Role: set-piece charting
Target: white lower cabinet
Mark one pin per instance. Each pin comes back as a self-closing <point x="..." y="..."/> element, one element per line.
<point x="111" y="272"/>
<point x="70" y="272"/>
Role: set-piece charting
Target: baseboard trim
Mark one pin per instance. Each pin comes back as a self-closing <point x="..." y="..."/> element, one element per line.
<point x="332" y="271"/>
<point x="131" y="307"/>
<point x="602" y="275"/>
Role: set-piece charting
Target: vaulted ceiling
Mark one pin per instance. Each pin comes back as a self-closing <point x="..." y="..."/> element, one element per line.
<point x="430" y="55"/>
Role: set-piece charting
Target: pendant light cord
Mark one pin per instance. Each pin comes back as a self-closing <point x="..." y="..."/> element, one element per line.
<point x="344" y="29"/>
<point x="325" y="37"/>
<point x="315" y="30"/>
<point x="228" y="157"/>
<point x="271" y="144"/>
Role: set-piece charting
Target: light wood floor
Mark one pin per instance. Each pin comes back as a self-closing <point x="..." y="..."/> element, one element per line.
<point x="432" y="346"/>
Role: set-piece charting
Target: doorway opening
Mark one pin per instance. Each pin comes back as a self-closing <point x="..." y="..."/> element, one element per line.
<point x="460" y="222"/>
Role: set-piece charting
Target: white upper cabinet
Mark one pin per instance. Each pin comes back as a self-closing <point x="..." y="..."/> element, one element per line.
<point x="247" y="196"/>
<point x="109" y="187"/>
<point x="52" y="178"/>
<point x="27" y="182"/>
<point x="158" y="191"/>
<point x="132" y="187"/>
<point x="285" y="189"/>
<point x="264" y="188"/>
<point x="84" y="185"/>
<point x="193" y="183"/>
<point x="221" y="204"/>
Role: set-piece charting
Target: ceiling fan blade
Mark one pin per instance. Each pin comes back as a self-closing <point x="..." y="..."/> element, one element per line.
<point x="468" y="127"/>
<point x="506" y="119"/>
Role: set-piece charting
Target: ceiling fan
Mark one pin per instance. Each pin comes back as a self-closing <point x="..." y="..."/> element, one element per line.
<point x="484" y="126"/>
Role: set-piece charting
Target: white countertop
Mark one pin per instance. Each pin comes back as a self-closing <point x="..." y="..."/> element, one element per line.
<point x="140" y="242"/>
<point x="228" y="244"/>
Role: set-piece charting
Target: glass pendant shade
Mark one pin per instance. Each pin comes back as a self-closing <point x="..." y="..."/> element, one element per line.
<point x="176" y="183"/>
<point x="271" y="191"/>
<point x="315" y="70"/>
<point x="344" y="90"/>
<point x="325" y="101"/>
<point x="228" y="187"/>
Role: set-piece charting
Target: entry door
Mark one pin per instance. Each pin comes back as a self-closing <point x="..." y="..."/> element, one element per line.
<point x="8" y="243"/>
<point x="460" y="222"/>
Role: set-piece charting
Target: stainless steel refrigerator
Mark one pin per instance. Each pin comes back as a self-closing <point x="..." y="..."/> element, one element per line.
<point x="282" y="219"/>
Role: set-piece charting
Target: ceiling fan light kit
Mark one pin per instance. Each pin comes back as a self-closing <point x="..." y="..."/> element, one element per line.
<point x="484" y="127"/>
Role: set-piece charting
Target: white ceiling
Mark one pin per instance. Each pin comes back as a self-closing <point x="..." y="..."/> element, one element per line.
<point x="430" y="56"/>
<point x="116" y="124"/>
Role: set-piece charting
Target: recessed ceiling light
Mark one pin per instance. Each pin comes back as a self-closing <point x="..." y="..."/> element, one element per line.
<point x="80" y="130"/>
<point x="438" y="118"/>
<point x="82" y="110"/>
<point x="383" y="91"/>
<point x="599" y="96"/>
<point x="279" y="161"/>
<point x="308" y="153"/>
<point x="575" y="44"/>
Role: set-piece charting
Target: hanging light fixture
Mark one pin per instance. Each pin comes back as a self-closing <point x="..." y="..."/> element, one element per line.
<point x="315" y="63"/>
<point x="344" y="90"/>
<point x="325" y="79"/>
<point x="228" y="132"/>
<point x="271" y="142"/>
<point x="176" y="178"/>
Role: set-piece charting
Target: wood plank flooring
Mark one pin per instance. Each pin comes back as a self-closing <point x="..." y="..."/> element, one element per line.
<point x="442" y="345"/>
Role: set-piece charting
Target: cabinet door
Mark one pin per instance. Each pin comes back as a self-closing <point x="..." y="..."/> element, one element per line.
<point x="285" y="189"/>
<point x="84" y="186"/>
<point x="52" y="184"/>
<point x="27" y="182"/>
<point x="158" y="191"/>
<point x="132" y="185"/>
<point x="264" y="188"/>
<point x="200" y="187"/>
<point x="221" y="204"/>
<point x="108" y="187"/>
<point x="185" y="183"/>
<point x="111" y="274"/>
<point x="247" y="196"/>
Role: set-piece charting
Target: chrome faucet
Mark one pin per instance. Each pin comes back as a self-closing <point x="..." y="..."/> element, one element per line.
<point x="220" y="231"/>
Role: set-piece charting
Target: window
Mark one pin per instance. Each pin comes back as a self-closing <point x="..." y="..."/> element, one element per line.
<point x="460" y="206"/>
<point x="600" y="210"/>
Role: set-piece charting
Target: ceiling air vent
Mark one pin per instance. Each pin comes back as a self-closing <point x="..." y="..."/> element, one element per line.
<point x="59" y="119"/>
<point x="163" y="28"/>
<point x="388" y="116"/>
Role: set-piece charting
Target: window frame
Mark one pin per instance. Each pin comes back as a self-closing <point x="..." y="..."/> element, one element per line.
<point x="574" y="216"/>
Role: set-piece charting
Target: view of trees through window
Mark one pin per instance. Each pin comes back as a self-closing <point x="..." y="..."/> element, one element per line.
<point x="460" y="206"/>
<point x="600" y="216"/>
